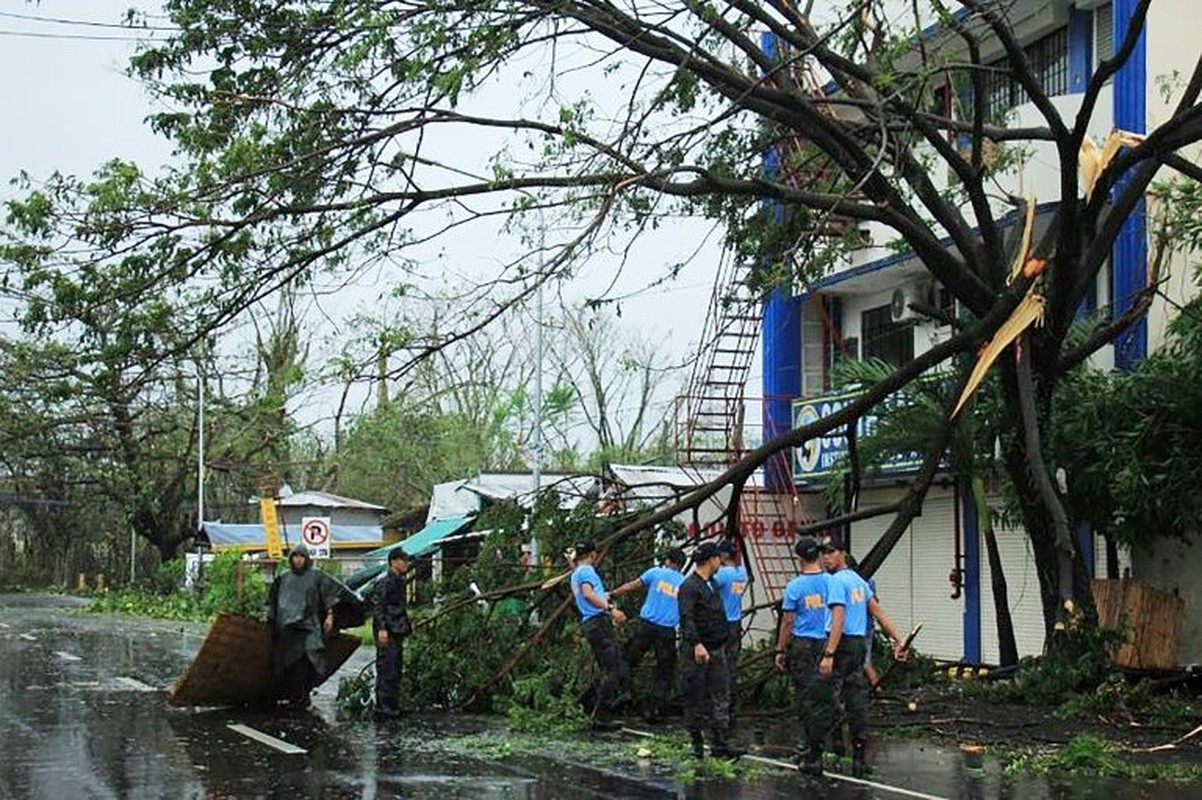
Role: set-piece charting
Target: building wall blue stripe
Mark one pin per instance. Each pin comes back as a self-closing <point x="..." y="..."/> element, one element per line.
<point x="1130" y="255"/>
<point x="970" y="529"/>
<point x="781" y="335"/>
<point x="1089" y="554"/>
<point x="782" y="377"/>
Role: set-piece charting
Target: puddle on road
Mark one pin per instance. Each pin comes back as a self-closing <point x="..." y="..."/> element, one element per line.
<point x="101" y="727"/>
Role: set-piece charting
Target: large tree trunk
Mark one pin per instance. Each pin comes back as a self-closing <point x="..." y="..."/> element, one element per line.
<point x="1059" y="622"/>
<point x="1064" y="586"/>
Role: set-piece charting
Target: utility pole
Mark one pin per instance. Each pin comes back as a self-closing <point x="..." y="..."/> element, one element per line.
<point x="538" y="385"/>
<point x="200" y="454"/>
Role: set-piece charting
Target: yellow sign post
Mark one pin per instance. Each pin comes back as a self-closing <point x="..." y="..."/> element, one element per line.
<point x="271" y="526"/>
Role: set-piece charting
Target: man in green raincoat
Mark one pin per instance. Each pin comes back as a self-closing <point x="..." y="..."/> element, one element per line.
<point x="300" y="613"/>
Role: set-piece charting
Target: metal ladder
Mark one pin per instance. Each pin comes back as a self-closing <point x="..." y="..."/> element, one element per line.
<point x="709" y="416"/>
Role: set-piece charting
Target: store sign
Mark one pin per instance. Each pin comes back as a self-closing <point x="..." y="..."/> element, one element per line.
<point x="826" y="454"/>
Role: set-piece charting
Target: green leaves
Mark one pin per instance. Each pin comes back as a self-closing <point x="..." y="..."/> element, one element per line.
<point x="1131" y="442"/>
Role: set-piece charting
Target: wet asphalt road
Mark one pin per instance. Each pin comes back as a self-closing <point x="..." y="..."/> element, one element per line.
<point x="84" y="714"/>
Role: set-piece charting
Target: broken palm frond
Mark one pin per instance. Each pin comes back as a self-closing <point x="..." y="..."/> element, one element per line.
<point x="1024" y="246"/>
<point x="1029" y="311"/>
<point x="1092" y="161"/>
<point x="1170" y="745"/>
<point x="555" y="580"/>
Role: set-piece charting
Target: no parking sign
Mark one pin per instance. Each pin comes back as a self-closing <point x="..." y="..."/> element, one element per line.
<point x="315" y="532"/>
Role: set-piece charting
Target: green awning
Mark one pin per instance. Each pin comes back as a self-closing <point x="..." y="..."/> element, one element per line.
<point x="422" y="542"/>
<point x="419" y="544"/>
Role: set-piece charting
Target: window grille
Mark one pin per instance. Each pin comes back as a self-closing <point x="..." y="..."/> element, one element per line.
<point x="1103" y="27"/>
<point x="885" y="339"/>
<point x="1048" y="58"/>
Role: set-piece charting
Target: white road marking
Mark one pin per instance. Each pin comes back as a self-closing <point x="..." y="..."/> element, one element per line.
<point x="5" y="625"/>
<point x="133" y="684"/>
<point x="66" y="656"/>
<point x="29" y="637"/>
<point x="772" y="762"/>
<point x="270" y="741"/>
<point x="883" y="787"/>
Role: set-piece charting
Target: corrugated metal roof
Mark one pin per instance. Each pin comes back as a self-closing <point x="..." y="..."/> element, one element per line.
<point x="326" y="500"/>
<point x="457" y="498"/>
<point x="652" y="486"/>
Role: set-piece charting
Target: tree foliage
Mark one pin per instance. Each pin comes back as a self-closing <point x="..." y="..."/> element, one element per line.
<point x="320" y="138"/>
<point x="1131" y="442"/>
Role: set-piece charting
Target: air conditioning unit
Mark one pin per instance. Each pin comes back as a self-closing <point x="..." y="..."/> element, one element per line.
<point x="924" y="293"/>
<point x="899" y="304"/>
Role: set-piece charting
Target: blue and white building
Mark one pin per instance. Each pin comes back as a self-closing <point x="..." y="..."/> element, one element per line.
<point x="862" y="309"/>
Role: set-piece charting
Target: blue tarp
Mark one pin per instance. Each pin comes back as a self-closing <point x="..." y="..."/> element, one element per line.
<point x="251" y="536"/>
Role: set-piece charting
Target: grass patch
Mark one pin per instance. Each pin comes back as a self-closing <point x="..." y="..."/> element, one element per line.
<point x="1088" y="755"/>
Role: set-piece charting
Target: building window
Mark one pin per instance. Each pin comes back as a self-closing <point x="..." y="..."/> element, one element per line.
<point x="1048" y="58"/>
<point x="882" y="338"/>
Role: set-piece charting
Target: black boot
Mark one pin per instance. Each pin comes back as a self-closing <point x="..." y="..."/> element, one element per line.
<point x="698" y="744"/>
<point x="859" y="768"/>
<point x="724" y="748"/>
<point x="811" y="764"/>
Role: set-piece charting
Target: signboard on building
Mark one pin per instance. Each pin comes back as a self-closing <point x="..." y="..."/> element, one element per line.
<point x="826" y="454"/>
<point x="315" y="532"/>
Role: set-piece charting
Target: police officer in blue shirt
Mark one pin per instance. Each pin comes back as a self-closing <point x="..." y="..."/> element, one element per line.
<point x="800" y="643"/>
<point x="731" y="580"/>
<point x="851" y="600"/>
<point x="597" y="620"/>
<point x="657" y="625"/>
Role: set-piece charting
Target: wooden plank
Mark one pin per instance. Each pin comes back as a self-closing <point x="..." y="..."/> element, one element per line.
<point x="1152" y="619"/>
<point x="233" y="666"/>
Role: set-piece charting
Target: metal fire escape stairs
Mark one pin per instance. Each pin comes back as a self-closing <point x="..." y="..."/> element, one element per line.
<point x="710" y="416"/>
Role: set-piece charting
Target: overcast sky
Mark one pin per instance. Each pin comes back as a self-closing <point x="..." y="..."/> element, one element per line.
<point x="68" y="106"/>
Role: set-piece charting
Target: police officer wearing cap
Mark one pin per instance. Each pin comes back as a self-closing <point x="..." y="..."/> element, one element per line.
<point x="850" y="601"/>
<point x="703" y="634"/>
<point x="800" y="643"/>
<point x="390" y="625"/>
<point x="657" y="623"/>
<point x="597" y="620"/>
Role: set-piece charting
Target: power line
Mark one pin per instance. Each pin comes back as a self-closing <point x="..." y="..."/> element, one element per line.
<point x="83" y="23"/>
<point x="75" y="36"/>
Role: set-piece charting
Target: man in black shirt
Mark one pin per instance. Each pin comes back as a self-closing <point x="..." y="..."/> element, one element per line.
<point x="703" y="632"/>
<point x="390" y="624"/>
